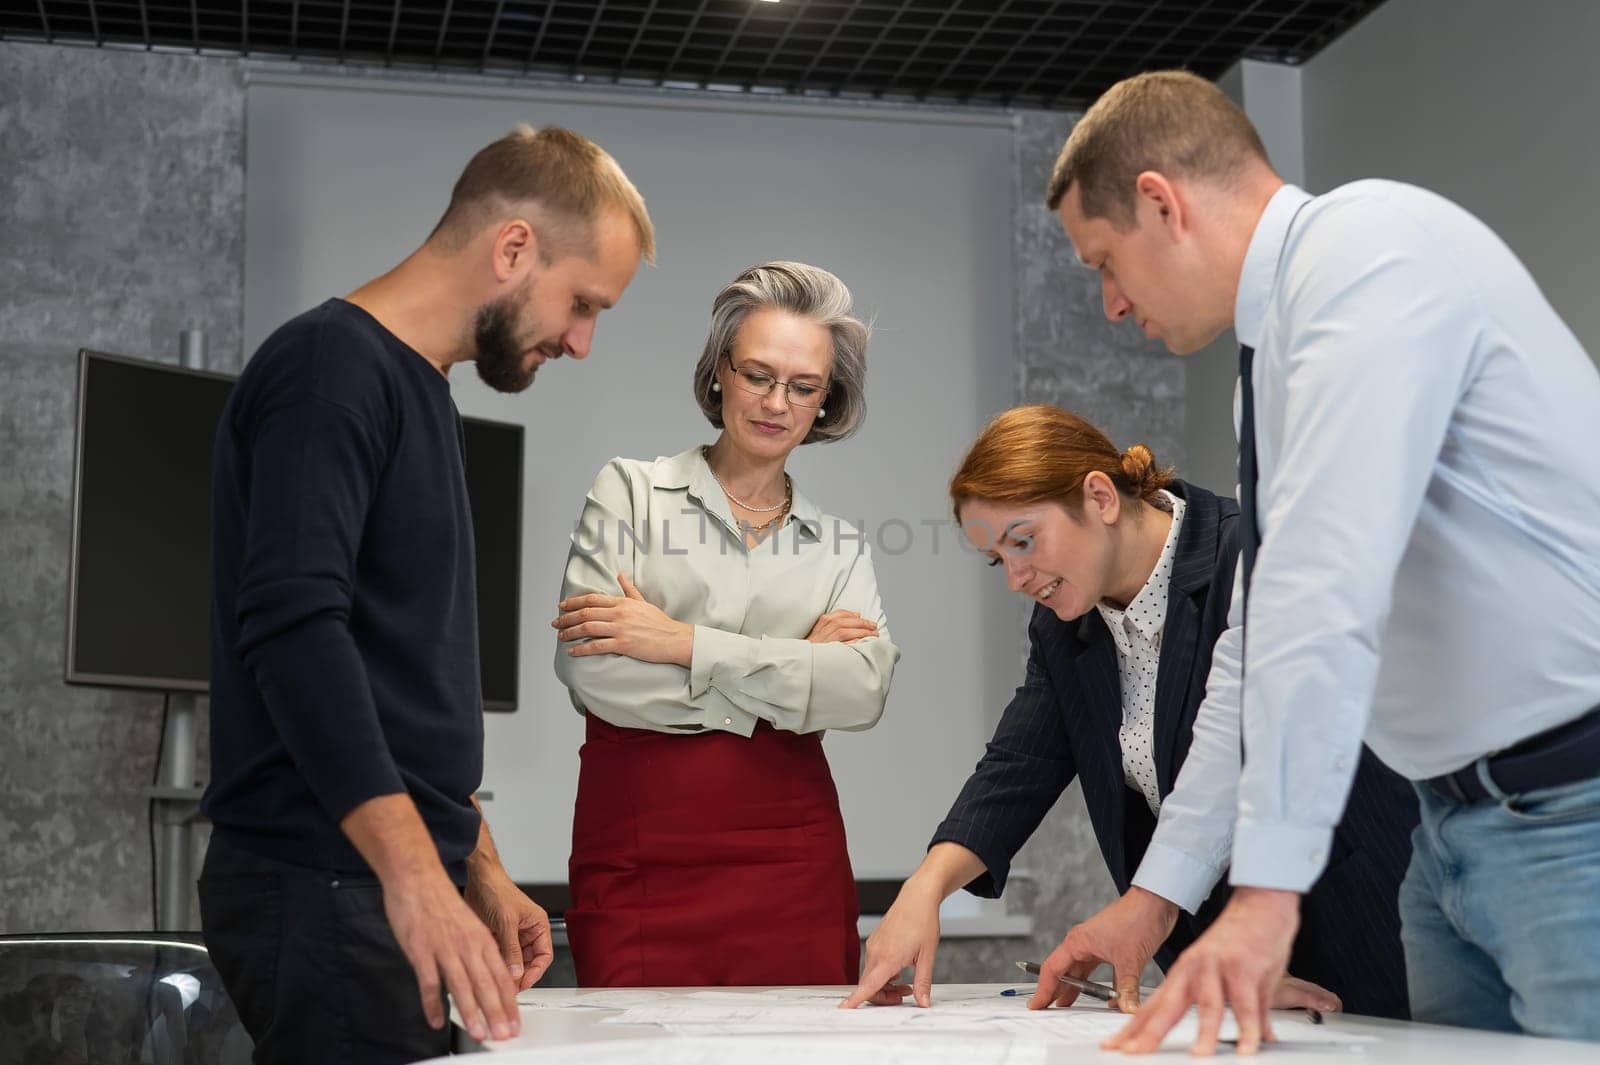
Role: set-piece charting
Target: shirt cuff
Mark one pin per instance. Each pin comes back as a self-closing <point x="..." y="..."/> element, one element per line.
<point x="1278" y="855"/>
<point x="1177" y="876"/>
<point x="715" y="658"/>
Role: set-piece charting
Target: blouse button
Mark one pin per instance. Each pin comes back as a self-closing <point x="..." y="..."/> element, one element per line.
<point x="727" y="721"/>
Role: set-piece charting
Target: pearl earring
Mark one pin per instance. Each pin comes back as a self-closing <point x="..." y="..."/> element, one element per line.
<point x="822" y="412"/>
<point x="716" y="386"/>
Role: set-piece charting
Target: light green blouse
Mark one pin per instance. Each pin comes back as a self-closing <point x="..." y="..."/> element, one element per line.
<point x="667" y="525"/>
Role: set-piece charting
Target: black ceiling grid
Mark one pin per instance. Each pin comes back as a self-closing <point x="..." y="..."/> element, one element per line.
<point x="1028" y="53"/>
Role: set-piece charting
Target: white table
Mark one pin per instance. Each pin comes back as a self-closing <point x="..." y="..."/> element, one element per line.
<point x="1397" y="1042"/>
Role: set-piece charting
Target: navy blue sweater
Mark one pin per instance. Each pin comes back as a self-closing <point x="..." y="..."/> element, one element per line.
<point x="344" y="643"/>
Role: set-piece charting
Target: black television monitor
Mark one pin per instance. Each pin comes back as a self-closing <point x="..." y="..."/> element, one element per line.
<point x="140" y="578"/>
<point x="493" y="458"/>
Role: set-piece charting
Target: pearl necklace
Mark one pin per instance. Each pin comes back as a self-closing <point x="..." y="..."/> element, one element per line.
<point x="788" y="493"/>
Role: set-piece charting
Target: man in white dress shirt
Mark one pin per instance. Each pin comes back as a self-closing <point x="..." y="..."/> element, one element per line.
<point x="1420" y="456"/>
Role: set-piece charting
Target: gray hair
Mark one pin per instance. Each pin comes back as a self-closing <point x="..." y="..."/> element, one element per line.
<point x="804" y="290"/>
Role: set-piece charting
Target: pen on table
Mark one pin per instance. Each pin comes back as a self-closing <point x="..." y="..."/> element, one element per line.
<point x="1109" y="994"/>
<point x="1088" y="987"/>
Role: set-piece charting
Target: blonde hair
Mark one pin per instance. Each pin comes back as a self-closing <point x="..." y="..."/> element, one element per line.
<point x="1169" y="121"/>
<point x="568" y="178"/>
<point x="1041" y="453"/>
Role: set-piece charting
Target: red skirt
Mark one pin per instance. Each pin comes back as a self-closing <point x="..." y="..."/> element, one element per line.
<point x="709" y="860"/>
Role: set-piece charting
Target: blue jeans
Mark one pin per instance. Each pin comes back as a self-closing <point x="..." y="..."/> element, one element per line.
<point x="1500" y="911"/>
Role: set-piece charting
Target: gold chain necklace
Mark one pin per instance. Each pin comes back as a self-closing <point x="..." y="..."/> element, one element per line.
<point x="751" y="530"/>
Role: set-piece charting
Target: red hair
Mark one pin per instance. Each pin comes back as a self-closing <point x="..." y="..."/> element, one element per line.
<point x="1041" y="453"/>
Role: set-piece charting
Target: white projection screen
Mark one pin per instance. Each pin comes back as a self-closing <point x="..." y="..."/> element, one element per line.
<point x="346" y="175"/>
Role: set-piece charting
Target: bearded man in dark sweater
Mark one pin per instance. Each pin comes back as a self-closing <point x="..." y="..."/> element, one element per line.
<point x="350" y="867"/>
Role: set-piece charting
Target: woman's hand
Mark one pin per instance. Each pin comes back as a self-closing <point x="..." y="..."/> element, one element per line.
<point x="908" y="935"/>
<point x="625" y="624"/>
<point x="842" y="626"/>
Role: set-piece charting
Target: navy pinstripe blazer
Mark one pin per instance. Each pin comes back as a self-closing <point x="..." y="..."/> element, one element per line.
<point x="1063" y="724"/>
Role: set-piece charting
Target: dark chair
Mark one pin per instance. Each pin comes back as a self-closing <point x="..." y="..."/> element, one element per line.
<point x="115" y="998"/>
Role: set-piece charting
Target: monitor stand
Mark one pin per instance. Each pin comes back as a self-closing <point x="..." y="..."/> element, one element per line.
<point x="176" y="798"/>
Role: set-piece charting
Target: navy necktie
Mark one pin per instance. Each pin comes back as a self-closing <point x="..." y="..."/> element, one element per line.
<point x="1249" y="527"/>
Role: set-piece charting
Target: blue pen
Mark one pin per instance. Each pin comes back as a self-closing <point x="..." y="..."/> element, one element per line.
<point x="1012" y="992"/>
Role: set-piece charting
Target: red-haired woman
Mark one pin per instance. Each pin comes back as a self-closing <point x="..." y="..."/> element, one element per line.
<point x="1131" y="572"/>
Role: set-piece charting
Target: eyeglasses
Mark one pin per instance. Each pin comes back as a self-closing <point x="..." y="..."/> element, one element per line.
<point x="761" y="383"/>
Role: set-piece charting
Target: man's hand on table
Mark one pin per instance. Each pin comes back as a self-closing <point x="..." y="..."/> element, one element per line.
<point x="1239" y="962"/>
<point x="1127" y="934"/>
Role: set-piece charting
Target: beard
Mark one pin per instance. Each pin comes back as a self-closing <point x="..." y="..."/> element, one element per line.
<point x="500" y="359"/>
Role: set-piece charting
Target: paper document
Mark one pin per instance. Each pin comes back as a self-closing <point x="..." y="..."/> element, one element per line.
<point x="798" y="1011"/>
<point x="611" y="999"/>
<point x="1089" y="1027"/>
<point x="779" y="1050"/>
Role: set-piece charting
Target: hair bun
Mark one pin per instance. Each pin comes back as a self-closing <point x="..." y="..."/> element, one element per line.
<point x="1137" y="463"/>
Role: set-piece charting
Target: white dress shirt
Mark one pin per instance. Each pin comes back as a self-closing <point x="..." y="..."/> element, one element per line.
<point x="1136" y="631"/>
<point x="1428" y="439"/>
<point x="667" y="524"/>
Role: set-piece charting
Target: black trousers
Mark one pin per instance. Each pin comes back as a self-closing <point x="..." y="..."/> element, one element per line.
<point x="309" y="961"/>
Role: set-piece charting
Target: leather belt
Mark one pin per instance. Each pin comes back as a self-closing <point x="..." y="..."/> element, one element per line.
<point x="1562" y="755"/>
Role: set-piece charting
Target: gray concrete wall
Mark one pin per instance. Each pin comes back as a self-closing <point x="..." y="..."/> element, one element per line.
<point x="1066" y="351"/>
<point x="121" y="187"/>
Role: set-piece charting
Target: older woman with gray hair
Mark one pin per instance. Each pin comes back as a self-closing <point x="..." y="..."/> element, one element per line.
<point x="713" y="623"/>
